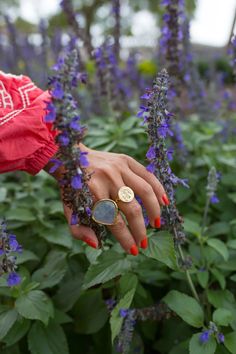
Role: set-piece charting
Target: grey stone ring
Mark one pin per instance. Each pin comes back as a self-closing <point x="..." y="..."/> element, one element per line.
<point x="105" y="212"/>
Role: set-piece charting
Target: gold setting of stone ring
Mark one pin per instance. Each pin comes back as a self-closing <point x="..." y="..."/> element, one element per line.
<point x="105" y="211"/>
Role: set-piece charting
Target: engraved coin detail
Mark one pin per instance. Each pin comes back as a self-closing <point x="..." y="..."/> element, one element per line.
<point x="125" y="194"/>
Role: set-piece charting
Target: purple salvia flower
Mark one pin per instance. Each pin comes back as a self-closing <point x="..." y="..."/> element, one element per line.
<point x="214" y="199"/>
<point x="57" y="164"/>
<point x="8" y="246"/>
<point x="125" y="337"/>
<point x="75" y="176"/>
<point x="221" y="337"/>
<point x="151" y="153"/>
<point x="212" y="182"/>
<point x="74" y="219"/>
<point x="76" y="182"/>
<point x="158" y="124"/>
<point x="64" y="139"/>
<point x="83" y="159"/>
<point x="204" y="336"/>
<point x="74" y="124"/>
<point x="13" y="279"/>
<point x="51" y="113"/>
<point x="123" y="313"/>
<point x="57" y="91"/>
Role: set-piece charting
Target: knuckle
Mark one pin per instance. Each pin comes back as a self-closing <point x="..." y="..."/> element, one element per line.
<point x="120" y="225"/>
<point x="124" y="158"/>
<point x="147" y="189"/>
<point x="135" y="210"/>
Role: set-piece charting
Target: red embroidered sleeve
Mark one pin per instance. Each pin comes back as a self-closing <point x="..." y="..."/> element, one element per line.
<point x="26" y="141"/>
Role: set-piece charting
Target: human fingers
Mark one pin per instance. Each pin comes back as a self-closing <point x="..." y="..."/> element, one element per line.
<point x="145" y="191"/>
<point x="124" y="236"/>
<point x="81" y="232"/>
<point x="120" y="230"/>
<point x="157" y="187"/>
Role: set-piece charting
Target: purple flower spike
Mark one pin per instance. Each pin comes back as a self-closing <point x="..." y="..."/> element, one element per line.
<point x="76" y="182"/>
<point x="204" y="337"/>
<point x="64" y="139"/>
<point x="58" y="92"/>
<point x="214" y="199"/>
<point x="221" y="337"/>
<point x="151" y="153"/>
<point x="57" y="164"/>
<point x="83" y="159"/>
<point x="123" y="312"/>
<point x="13" y="279"/>
<point x="51" y="115"/>
<point x="74" y="219"/>
<point x="151" y="167"/>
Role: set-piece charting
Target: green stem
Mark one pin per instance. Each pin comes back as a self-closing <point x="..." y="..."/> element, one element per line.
<point x="204" y="221"/>
<point x="188" y="276"/>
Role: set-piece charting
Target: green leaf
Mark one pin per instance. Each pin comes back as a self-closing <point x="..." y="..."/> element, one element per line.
<point x="230" y="342"/>
<point x="53" y="270"/>
<point x="61" y="317"/>
<point x="68" y="292"/>
<point x="127" y="282"/>
<point x="192" y="227"/>
<point x="90" y="312"/>
<point x="220" y="298"/>
<point x="59" y="235"/>
<point x="26" y="256"/>
<point x="218" y="228"/>
<point x="109" y="265"/>
<point x="18" y="331"/>
<point x="186" y="307"/>
<point x="55" y="207"/>
<point x="232" y="196"/>
<point x="161" y="248"/>
<point x="232" y="244"/>
<point x="220" y="247"/>
<point x="203" y="278"/>
<point x="20" y="214"/>
<point x="35" y="305"/>
<point x="222" y="317"/>
<point x="47" y="340"/>
<point x="3" y="194"/>
<point x="196" y="347"/>
<point x="116" y="320"/>
<point x="220" y="277"/>
<point x="7" y="320"/>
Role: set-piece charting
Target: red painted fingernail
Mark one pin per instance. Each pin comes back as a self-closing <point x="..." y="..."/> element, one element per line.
<point x="165" y="199"/>
<point x="144" y="243"/>
<point x="134" y="250"/>
<point x="90" y="242"/>
<point x="158" y="222"/>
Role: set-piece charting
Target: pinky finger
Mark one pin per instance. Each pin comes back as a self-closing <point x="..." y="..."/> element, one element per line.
<point x="85" y="234"/>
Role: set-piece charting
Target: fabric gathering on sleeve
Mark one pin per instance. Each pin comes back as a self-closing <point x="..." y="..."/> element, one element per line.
<point x="26" y="141"/>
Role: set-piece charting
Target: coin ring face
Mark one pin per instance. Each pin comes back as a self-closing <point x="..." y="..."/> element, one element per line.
<point x="125" y="194"/>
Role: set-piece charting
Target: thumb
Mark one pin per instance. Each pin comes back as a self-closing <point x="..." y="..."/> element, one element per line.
<point x="85" y="234"/>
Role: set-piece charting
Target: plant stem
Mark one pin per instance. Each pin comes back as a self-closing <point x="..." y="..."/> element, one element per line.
<point x="204" y="221"/>
<point x="188" y="276"/>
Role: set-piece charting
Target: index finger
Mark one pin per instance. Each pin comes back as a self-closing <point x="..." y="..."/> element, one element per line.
<point x="157" y="187"/>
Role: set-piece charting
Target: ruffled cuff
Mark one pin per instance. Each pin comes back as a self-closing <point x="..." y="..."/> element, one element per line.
<point x="40" y="158"/>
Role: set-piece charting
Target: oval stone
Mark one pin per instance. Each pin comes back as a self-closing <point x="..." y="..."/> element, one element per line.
<point x="105" y="212"/>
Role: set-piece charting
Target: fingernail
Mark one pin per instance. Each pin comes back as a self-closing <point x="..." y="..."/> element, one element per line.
<point x="144" y="243"/>
<point x="165" y="199"/>
<point x="90" y="242"/>
<point x="134" y="250"/>
<point x="158" y="222"/>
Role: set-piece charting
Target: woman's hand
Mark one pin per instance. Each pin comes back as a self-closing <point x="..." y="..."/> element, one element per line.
<point x="111" y="171"/>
